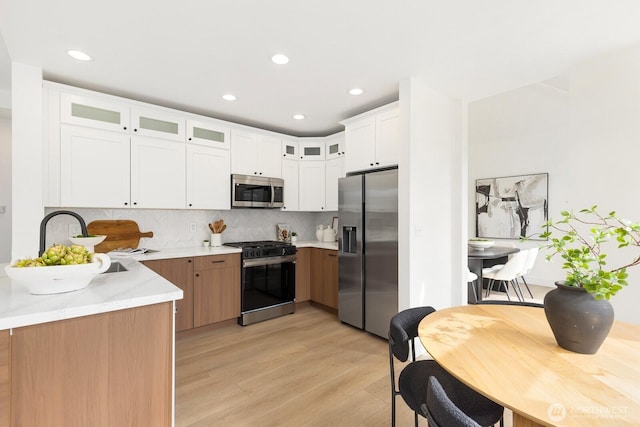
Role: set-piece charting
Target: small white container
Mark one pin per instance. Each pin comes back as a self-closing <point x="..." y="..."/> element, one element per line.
<point x="216" y="239"/>
<point x="205" y="243"/>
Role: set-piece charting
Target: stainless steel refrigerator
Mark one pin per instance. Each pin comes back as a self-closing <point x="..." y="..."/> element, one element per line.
<point x="368" y="250"/>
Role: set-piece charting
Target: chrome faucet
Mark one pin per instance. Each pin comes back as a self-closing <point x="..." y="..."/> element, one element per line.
<point x="45" y="220"/>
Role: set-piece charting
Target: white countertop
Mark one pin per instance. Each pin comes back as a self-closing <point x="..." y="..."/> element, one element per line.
<point x="136" y="287"/>
<point x="316" y="244"/>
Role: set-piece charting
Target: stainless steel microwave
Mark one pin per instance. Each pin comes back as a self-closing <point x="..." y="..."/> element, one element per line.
<point x="248" y="191"/>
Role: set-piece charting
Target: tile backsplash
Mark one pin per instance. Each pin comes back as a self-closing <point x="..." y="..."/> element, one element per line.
<point x="172" y="228"/>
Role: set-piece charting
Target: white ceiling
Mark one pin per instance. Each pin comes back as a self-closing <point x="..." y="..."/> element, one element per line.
<point x="188" y="54"/>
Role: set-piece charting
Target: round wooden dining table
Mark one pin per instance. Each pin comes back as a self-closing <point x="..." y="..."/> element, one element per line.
<point x="509" y="354"/>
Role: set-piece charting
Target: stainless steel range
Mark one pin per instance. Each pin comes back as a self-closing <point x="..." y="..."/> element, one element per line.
<point x="268" y="280"/>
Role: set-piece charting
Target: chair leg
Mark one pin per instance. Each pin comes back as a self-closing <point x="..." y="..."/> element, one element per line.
<point x="489" y="287"/>
<point x="517" y="290"/>
<point x="526" y="285"/>
<point x="475" y="293"/>
<point x="415" y="418"/>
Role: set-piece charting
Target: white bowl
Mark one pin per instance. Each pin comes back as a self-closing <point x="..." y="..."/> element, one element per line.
<point x="481" y="244"/>
<point x="56" y="279"/>
<point x="88" y="242"/>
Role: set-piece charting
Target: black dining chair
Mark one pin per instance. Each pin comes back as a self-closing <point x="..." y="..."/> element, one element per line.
<point x="440" y="411"/>
<point x="414" y="376"/>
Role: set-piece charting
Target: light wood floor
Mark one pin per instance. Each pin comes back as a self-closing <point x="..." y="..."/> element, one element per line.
<point x="305" y="369"/>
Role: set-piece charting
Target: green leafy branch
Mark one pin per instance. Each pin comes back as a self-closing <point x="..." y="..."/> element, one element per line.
<point x="584" y="259"/>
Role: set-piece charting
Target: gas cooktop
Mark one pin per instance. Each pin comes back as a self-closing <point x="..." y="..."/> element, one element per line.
<point x="264" y="248"/>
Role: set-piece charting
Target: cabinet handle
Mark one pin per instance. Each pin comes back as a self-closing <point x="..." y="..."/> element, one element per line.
<point x="370" y="164"/>
<point x="135" y="203"/>
<point x="189" y="261"/>
<point x="135" y="130"/>
<point x="377" y="163"/>
<point x="190" y="204"/>
<point x="334" y="255"/>
<point x="126" y="203"/>
<point x="124" y="127"/>
<point x="189" y="139"/>
<point x="197" y="275"/>
<point x="217" y="262"/>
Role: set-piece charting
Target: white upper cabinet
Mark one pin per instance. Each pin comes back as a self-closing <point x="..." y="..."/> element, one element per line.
<point x="94" y="112"/>
<point x="334" y="146"/>
<point x="387" y="137"/>
<point x="311" y="148"/>
<point x="289" y="150"/>
<point x="311" y="191"/>
<point x="158" y="124"/>
<point x="94" y="168"/>
<point x="158" y="175"/>
<point x="371" y="139"/>
<point x="290" y="176"/>
<point x="208" y="133"/>
<point x="208" y="178"/>
<point x="255" y="154"/>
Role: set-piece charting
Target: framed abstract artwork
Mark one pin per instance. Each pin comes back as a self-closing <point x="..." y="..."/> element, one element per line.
<point x="512" y="207"/>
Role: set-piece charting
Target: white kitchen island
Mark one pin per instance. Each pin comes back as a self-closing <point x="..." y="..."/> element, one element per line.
<point x="103" y="355"/>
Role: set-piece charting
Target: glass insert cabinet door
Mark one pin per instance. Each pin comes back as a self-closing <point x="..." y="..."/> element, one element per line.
<point x="158" y="124"/>
<point x="208" y="133"/>
<point x="94" y="112"/>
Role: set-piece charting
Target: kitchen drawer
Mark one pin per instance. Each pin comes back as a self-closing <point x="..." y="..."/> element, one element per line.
<point x="217" y="261"/>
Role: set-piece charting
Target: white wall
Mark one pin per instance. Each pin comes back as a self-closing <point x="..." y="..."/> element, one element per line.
<point x="586" y="139"/>
<point x="431" y="220"/>
<point x="27" y="158"/>
<point x="5" y="185"/>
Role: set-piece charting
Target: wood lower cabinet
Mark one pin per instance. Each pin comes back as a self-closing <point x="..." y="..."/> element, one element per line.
<point x="303" y="278"/>
<point x="216" y="289"/>
<point x="4" y="378"/>
<point x="324" y="277"/>
<point x="178" y="271"/>
<point x="109" y="369"/>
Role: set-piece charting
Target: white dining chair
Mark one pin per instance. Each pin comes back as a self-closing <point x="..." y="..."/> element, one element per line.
<point x="471" y="280"/>
<point x="531" y="260"/>
<point x="508" y="274"/>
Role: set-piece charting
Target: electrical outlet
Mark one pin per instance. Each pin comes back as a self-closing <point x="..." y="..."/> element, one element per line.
<point x="74" y="229"/>
<point x="192" y="227"/>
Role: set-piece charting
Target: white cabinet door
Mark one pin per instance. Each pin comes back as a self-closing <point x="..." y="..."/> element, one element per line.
<point x="312" y="186"/>
<point x="334" y="170"/>
<point x="270" y="161"/>
<point x="311" y="149"/>
<point x="360" y="140"/>
<point x="334" y="146"/>
<point x="157" y="173"/>
<point x="289" y="150"/>
<point x="387" y="137"/>
<point x="208" y="178"/>
<point x="157" y="124"/>
<point x="94" y="112"/>
<point x="94" y="168"/>
<point x="207" y="133"/>
<point x="244" y="152"/>
<point x="290" y="176"/>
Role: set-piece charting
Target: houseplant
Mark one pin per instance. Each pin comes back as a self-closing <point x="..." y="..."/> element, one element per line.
<point x="578" y="310"/>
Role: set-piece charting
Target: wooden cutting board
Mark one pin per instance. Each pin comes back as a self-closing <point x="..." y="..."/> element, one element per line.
<point x="121" y="233"/>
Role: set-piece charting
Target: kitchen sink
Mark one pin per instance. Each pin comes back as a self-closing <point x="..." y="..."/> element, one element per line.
<point x="115" y="267"/>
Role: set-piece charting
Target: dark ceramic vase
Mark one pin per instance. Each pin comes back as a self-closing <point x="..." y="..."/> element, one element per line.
<point x="579" y="322"/>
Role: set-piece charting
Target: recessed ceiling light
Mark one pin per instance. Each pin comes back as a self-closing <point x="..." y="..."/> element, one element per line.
<point x="298" y="116"/>
<point x="80" y="56"/>
<point x="229" y="97"/>
<point x="280" y="59"/>
<point x="356" y="91"/>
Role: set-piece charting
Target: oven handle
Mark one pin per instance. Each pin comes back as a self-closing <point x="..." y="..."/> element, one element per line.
<point x="257" y="262"/>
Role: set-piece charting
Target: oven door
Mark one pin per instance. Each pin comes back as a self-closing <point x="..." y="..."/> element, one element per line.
<point x="268" y="282"/>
